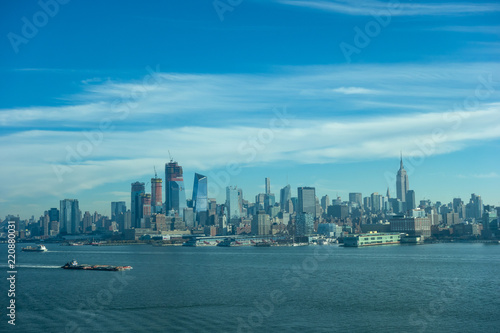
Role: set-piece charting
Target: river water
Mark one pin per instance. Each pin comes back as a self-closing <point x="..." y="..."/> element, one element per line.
<point x="426" y="288"/>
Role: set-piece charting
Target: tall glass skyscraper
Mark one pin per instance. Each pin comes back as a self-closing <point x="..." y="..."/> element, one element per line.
<point x="232" y="203"/>
<point x="70" y="216"/>
<point x="200" y="198"/>
<point x="175" y="192"/>
<point x="306" y="200"/>
<point x="285" y="195"/>
<point x="117" y="207"/>
<point x="136" y="204"/>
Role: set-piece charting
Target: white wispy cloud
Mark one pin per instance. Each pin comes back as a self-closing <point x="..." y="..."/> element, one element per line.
<point x="372" y="7"/>
<point x="354" y="90"/>
<point x="234" y="97"/>
<point x="49" y="144"/>
<point x="121" y="156"/>
<point x="483" y="29"/>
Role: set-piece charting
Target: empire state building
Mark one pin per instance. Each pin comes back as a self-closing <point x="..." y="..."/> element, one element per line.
<point x="402" y="184"/>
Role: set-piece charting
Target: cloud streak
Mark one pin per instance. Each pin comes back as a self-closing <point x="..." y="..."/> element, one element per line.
<point x="370" y="7"/>
<point x="122" y="156"/>
<point x="239" y="98"/>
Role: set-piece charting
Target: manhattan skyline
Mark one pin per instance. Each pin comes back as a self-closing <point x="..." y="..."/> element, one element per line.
<point x="269" y="88"/>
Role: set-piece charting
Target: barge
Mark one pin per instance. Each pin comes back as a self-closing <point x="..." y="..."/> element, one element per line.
<point x="74" y="265"/>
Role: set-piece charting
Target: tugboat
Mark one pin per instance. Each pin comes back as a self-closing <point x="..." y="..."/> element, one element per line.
<point x="74" y="265"/>
<point x="38" y="248"/>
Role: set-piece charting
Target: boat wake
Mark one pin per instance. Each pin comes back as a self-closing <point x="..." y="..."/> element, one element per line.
<point x="32" y="266"/>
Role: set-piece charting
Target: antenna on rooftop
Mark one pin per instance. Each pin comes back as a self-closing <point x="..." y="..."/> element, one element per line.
<point x="170" y="155"/>
<point x="156" y="175"/>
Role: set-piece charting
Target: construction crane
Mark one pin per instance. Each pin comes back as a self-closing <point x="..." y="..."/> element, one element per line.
<point x="170" y="155"/>
<point x="154" y="168"/>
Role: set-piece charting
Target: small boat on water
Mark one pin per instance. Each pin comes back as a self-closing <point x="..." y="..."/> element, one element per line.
<point x="38" y="248"/>
<point x="74" y="265"/>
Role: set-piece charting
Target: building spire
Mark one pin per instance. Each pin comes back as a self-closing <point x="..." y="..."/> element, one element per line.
<point x="401" y="161"/>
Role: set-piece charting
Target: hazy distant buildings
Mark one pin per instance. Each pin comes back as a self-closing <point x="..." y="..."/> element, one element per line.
<point x="69" y="216"/>
<point x="146" y="208"/>
<point x="261" y="224"/>
<point x="53" y="214"/>
<point x="200" y="199"/>
<point x="356" y="198"/>
<point x="340" y="211"/>
<point x="459" y="208"/>
<point x="87" y="222"/>
<point x="285" y="196"/>
<point x="376" y="202"/>
<point x="325" y="202"/>
<point x="474" y="209"/>
<point x="188" y="216"/>
<point x="306" y="200"/>
<point x="329" y="230"/>
<point x="304" y="224"/>
<point x="117" y="207"/>
<point x="402" y="183"/>
<point x="136" y="208"/>
<point x="175" y="193"/>
<point x="410" y="200"/>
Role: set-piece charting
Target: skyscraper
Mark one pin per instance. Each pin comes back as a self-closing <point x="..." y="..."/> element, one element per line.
<point x="69" y="216"/>
<point x="87" y="222"/>
<point x="285" y="195"/>
<point x="306" y="200"/>
<point x="356" y="198"/>
<point x="402" y="184"/>
<point x="376" y="202"/>
<point x="268" y="185"/>
<point x="410" y="200"/>
<point x="136" y="204"/>
<point x="146" y="204"/>
<point x="475" y="207"/>
<point x="304" y="224"/>
<point x="325" y="202"/>
<point x="232" y="203"/>
<point x="175" y="193"/>
<point x="200" y="198"/>
<point x="54" y="214"/>
<point x="261" y="224"/>
<point x="117" y="207"/>
<point x="156" y="196"/>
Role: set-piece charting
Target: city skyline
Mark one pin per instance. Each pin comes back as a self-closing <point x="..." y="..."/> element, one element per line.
<point x="139" y="193"/>
<point x="338" y="93"/>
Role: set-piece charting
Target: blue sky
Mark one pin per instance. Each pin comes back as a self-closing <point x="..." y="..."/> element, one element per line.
<point x="319" y="93"/>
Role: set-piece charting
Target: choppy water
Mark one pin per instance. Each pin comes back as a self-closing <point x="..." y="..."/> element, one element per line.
<point x="429" y="288"/>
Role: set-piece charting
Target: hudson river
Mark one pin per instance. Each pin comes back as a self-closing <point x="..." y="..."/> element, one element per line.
<point x="427" y="288"/>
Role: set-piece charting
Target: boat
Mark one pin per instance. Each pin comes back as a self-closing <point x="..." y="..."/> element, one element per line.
<point x="38" y="248"/>
<point x="74" y="265"/>
<point x="262" y="244"/>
